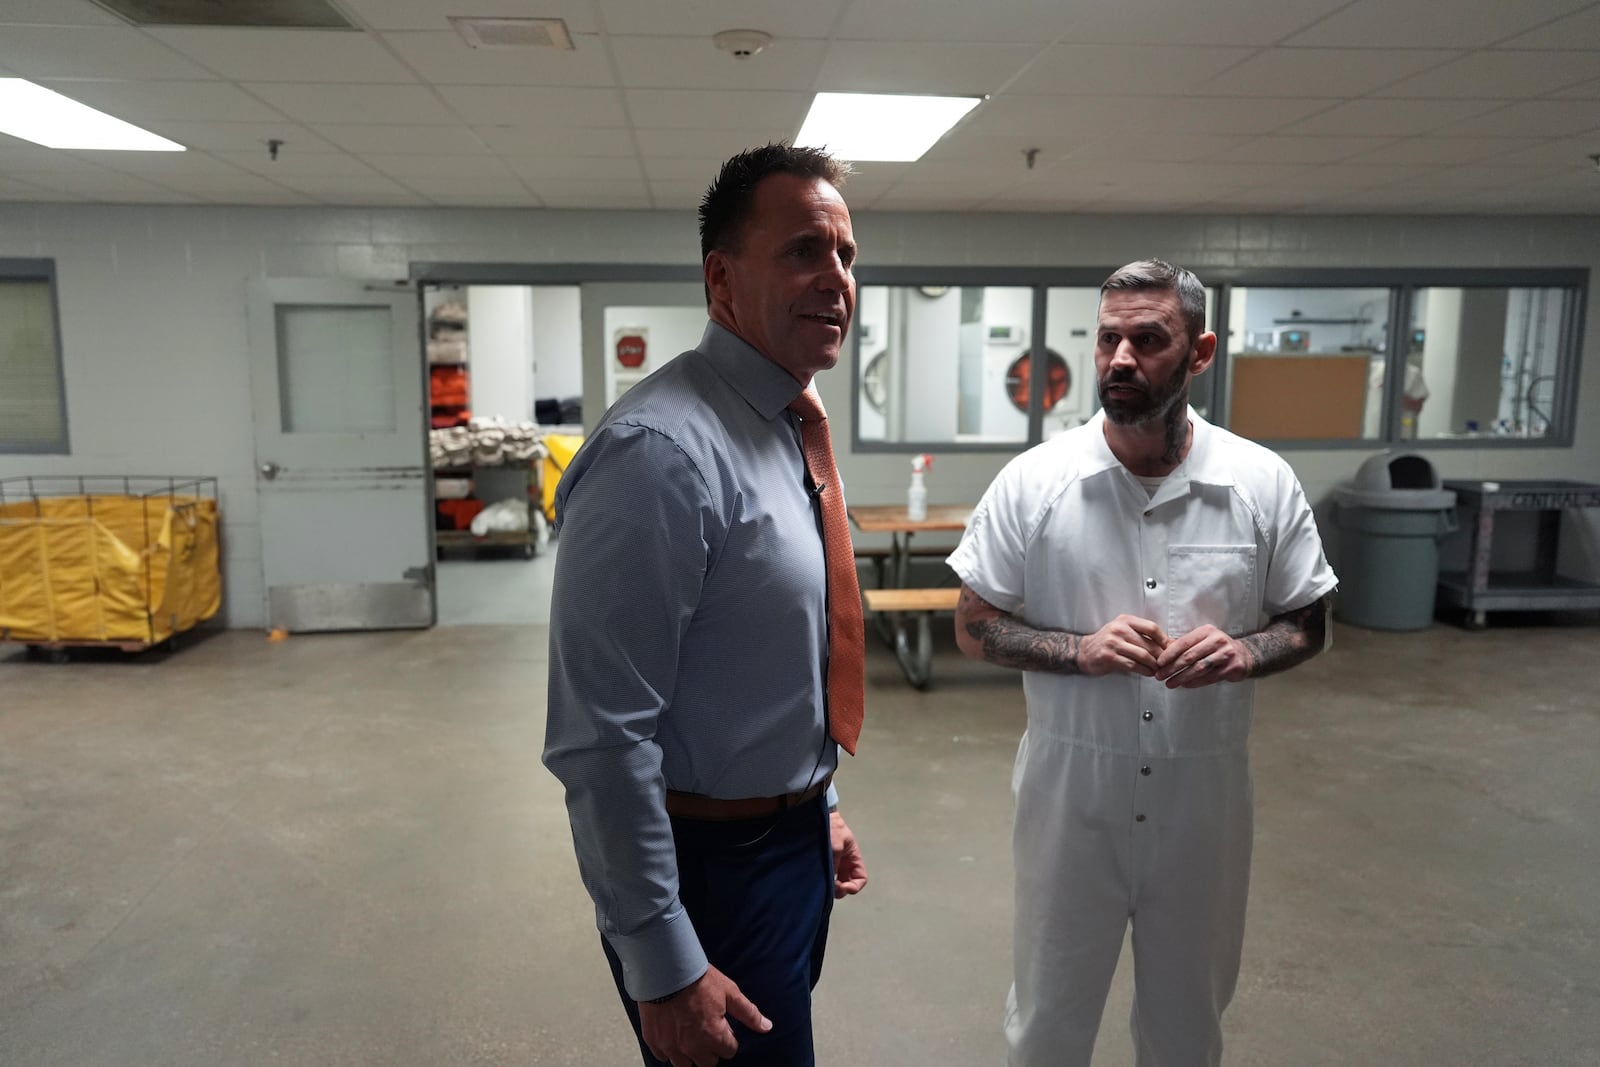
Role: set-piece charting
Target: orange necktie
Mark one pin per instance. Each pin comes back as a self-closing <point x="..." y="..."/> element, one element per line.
<point x="847" y="666"/>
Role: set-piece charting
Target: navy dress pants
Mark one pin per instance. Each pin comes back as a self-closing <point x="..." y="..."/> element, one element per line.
<point x="759" y="893"/>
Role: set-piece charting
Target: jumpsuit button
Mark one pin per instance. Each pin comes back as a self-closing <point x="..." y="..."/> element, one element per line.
<point x="1145" y="769"/>
<point x="1138" y="818"/>
<point x="1149" y="715"/>
<point x="1149" y="583"/>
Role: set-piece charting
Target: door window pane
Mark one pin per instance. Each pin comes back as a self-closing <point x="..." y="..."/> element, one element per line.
<point x="1483" y="362"/>
<point x="335" y="369"/>
<point x="33" y="414"/>
<point x="1306" y="363"/>
<point x="944" y="364"/>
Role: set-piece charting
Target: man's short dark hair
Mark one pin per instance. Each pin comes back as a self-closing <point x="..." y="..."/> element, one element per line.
<point x="1157" y="275"/>
<point x="726" y="205"/>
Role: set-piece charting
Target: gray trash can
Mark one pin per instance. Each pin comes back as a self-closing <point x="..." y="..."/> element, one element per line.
<point x="1390" y="519"/>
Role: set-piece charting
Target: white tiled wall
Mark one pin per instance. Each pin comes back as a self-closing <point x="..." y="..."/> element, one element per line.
<point x="153" y="315"/>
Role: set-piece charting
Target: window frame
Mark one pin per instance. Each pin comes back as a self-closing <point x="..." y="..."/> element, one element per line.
<point x="42" y="270"/>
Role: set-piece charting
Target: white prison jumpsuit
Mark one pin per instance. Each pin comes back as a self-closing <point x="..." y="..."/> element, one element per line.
<point x="1133" y="800"/>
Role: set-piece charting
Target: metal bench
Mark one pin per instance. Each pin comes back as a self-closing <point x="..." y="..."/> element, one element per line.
<point x="922" y="603"/>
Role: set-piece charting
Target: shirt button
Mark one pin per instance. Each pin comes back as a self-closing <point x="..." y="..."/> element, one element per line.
<point x="1145" y="769"/>
<point x="1149" y="583"/>
<point x="1149" y="715"/>
<point x="1138" y="818"/>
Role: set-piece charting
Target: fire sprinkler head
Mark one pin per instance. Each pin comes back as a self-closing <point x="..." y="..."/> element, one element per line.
<point x="742" y="44"/>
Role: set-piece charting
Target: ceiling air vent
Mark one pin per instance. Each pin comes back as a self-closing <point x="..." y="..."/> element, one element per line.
<point x="513" y="33"/>
<point x="278" y="14"/>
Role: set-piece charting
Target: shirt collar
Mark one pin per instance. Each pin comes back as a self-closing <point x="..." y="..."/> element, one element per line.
<point x="764" y="385"/>
<point x="1200" y="465"/>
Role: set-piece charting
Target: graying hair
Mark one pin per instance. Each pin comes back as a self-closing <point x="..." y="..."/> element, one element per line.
<point x="1157" y="275"/>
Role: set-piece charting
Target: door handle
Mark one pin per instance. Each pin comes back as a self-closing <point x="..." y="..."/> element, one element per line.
<point x="270" y="471"/>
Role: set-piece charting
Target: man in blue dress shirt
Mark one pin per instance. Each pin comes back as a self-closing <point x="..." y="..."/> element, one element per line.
<point x="689" y="643"/>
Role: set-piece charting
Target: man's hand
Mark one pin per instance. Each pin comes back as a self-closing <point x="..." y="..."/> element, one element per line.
<point x="691" y="1029"/>
<point x="1125" y="645"/>
<point x="849" y="872"/>
<point x="1201" y="657"/>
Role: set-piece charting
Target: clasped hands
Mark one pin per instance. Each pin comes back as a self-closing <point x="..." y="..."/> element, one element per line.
<point x="1131" y="645"/>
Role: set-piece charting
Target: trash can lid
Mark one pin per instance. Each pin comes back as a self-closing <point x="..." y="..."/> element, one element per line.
<point x="1395" y="499"/>
<point x="1397" y="470"/>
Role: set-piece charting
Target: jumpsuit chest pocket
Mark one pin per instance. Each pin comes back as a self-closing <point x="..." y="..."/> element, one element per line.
<point x="1213" y="584"/>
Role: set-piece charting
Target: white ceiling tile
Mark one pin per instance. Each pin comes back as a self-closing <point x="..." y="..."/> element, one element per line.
<point x="1474" y="177"/>
<point x="705" y="18"/>
<point x="678" y="192"/>
<point x="565" y="188"/>
<point x="1500" y="74"/>
<point x="1191" y="115"/>
<point x="322" y="103"/>
<point x="272" y="194"/>
<point x="1532" y="118"/>
<point x="698" y="144"/>
<point x="1397" y="118"/>
<point x="150" y="101"/>
<point x="118" y="188"/>
<point x="295" y="163"/>
<point x="236" y="184"/>
<point x="694" y="63"/>
<point x="457" y="190"/>
<point x="523" y="140"/>
<point x="288" y="55"/>
<point x="914" y="200"/>
<point x="593" y="199"/>
<point x="953" y="68"/>
<point x="1284" y="149"/>
<point x="433" y="15"/>
<point x="1586" y="91"/>
<point x="1444" y="151"/>
<point x="1020" y="21"/>
<point x="1424" y="24"/>
<point x="437" y="165"/>
<point x="480" y="105"/>
<point x="693" y="170"/>
<point x="551" y="167"/>
<point x="92" y="52"/>
<point x="1580" y="30"/>
<point x="1266" y="198"/>
<point x="1559" y="153"/>
<point x="1145" y="148"/>
<point x="964" y="144"/>
<point x="1099" y="70"/>
<point x="446" y="59"/>
<point x="1326" y="177"/>
<point x="242" y="136"/>
<point x="401" y="138"/>
<point x="695" y="109"/>
<point x="1057" y="117"/>
<point x="329" y="184"/>
<point x="157" y="165"/>
<point x="56" y="13"/>
<point x="15" y="153"/>
<point x="1322" y="71"/>
<point x="1163" y="22"/>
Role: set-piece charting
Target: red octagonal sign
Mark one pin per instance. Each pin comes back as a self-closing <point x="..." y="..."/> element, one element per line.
<point x="630" y="350"/>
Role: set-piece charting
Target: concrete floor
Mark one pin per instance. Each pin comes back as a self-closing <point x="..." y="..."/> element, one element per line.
<point x="343" y="850"/>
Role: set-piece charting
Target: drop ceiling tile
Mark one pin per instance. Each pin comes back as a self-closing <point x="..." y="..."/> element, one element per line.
<point x="954" y="68"/>
<point x="56" y="13"/>
<point x="1531" y="118"/>
<point x="1009" y="115"/>
<point x="696" y="109"/>
<point x="15" y="152"/>
<point x="458" y="190"/>
<point x="446" y="59"/>
<point x="401" y="138"/>
<point x="1345" y="176"/>
<point x="119" y="188"/>
<point x="242" y="136"/>
<point x="1145" y="149"/>
<point x="289" y="164"/>
<point x="433" y="15"/>
<point x="436" y="165"/>
<point x="704" y="18"/>
<point x="156" y="165"/>
<point x="359" y="104"/>
<point x="1018" y="21"/>
<point x="1162" y="22"/>
<point x="1423" y="24"/>
<point x="1262" y="200"/>
<point x="1560" y="153"/>
<point x="964" y="144"/>
<point x="480" y="105"/>
<point x="15" y="190"/>
<point x="330" y="184"/>
<point x="1475" y="176"/>
<point x="590" y="199"/>
<point x="522" y="140"/>
<point x="92" y="52"/>
<point x="151" y="101"/>
<point x="1396" y="118"/>
<point x="1586" y="91"/>
<point x="237" y="183"/>
<point x="690" y="170"/>
<point x="566" y="188"/>
<point x="1100" y="70"/>
<point x="686" y="193"/>
<point x="1444" y="151"/>
<point x="699" y="144"/>
<point x="915" y="200"/>
<point x="573" y="168"/>
<point x="1500" y="74"/>
<point x="1280" y="148"/>
<point x="1243" y="115"/>
<point x="1579" y="30"/>
<point x="263" y="55"/>
<point x="1290" y="72"/>
<point x="694" y="63"/>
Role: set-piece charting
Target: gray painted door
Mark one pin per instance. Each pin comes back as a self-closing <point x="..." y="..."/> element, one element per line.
<point x="336" y="378"/>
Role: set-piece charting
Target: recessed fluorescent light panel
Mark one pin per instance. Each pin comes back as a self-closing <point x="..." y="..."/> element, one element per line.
<point x="36" y="114"/>
<point x="873" y="127"/>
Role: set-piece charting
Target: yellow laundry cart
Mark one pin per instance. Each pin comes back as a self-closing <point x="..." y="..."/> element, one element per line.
<point x="126" y="562"/>
<point x="559" y="450"/>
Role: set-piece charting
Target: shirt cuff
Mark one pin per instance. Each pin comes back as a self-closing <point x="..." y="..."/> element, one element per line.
<point x="661" y="960"/>
<point x="833" y="796"/>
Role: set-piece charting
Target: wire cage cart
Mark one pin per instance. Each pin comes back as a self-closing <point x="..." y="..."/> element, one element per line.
<point x="119" y="561"/>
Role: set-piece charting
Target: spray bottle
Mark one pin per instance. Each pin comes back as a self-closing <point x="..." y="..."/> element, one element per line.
<point x="917" y="495"/>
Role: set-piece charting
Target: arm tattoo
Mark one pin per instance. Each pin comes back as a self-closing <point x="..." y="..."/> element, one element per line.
<point x="1009" y="642"/>
<point x="1288" y="639"/>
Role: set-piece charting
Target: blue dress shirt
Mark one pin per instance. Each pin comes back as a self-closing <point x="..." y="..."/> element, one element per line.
<point x="688" y="632"/>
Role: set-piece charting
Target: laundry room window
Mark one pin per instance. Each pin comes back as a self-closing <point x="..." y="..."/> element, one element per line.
<point x="33" y="398"/>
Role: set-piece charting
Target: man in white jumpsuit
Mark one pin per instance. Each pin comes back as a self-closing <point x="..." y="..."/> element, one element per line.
<point x="1141" y="569"/>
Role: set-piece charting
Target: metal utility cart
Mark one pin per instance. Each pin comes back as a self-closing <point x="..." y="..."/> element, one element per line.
<point x="1479" y="591"/>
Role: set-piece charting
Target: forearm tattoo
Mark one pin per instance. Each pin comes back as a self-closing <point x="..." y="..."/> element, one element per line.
<point x="1009" y="642"/>
<point x="1289" y="639"/>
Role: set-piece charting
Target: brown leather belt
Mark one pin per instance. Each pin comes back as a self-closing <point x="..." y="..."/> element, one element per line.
<point x="715" y="809"/>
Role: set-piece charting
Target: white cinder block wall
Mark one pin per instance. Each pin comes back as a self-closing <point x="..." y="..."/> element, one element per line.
<point x="153" y="316"/>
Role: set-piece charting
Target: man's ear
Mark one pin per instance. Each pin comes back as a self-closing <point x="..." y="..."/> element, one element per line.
<point x="1205" y="350"/>
<point x="717" y="275"/>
